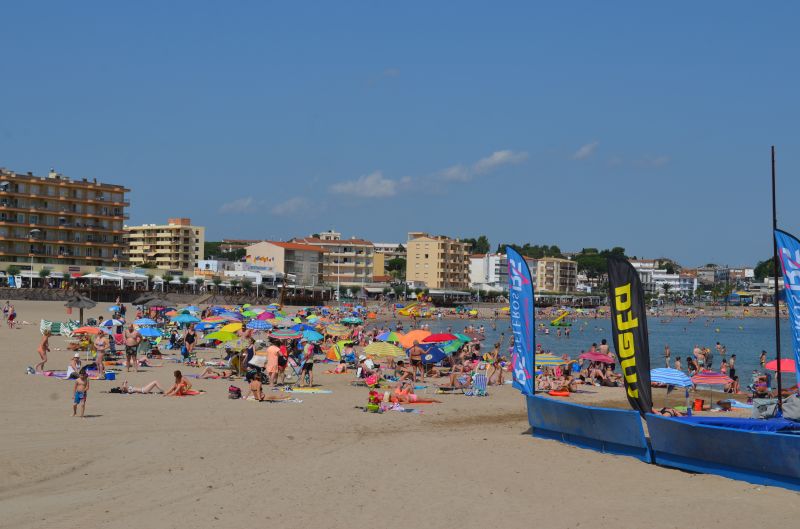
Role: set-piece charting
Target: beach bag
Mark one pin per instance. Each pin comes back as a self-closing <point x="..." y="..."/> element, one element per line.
<point x="791" y="408"/>
<point x="234" y="392"/>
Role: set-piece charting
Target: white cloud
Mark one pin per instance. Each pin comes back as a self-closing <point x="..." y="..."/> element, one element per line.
<point x="498" y="159"/>
<point x="373" y="185"/>
<point x="240" y="205"/>
<point x="456" y="173"/>
<point x="585" y="151"/>
<point x="287" y="207"/>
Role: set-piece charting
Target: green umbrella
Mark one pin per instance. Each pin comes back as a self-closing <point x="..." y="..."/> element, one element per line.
<point x="463" y="337"/>
<point x="385" y="350"/>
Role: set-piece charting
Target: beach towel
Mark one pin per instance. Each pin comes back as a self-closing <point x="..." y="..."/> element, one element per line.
<point x="308" y="390"/>
<point x="191" y="393"/>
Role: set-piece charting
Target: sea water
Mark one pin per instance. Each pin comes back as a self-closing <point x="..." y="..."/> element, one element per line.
<point x="745" y="338"/>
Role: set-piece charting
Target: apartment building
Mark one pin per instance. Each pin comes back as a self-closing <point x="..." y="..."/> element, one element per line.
<point x="176" y="246"/>
<point x="346" y="262"/>
<point x="438" y="261"/>
<point x="61" y="224"/>
<point x="488" y="272"/>
<point x="304" y="262"/>
<point x="556" y="275"/>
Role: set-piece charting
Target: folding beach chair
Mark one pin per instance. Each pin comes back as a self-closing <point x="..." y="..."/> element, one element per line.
<point x="479" y="384"/>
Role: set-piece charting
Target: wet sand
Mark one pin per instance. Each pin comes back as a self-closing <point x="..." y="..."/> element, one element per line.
<point x="206" y="461"/>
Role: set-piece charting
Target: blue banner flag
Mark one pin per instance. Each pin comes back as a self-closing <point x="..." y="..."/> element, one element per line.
<point x="789" y="256"/>
<point x="520" y="299"/>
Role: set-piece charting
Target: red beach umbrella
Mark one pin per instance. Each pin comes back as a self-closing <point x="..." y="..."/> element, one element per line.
<point x="439" y="338"/>
<point x="787" y="365"/>
<point x="597" y="357"/>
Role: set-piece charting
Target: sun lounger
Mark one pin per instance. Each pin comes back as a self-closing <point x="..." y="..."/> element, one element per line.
<point x="479" y="385"/>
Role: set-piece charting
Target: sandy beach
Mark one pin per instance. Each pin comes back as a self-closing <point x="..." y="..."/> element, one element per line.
<point x="207" y="461"/>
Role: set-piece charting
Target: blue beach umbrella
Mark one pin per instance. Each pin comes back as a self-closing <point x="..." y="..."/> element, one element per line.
<point x="144" y="321"/>
<point x="112" y="323"/>
<point x="312" y="336"/>
<point x="433" y="353"/>
<point x="302" y="327"/>
<point x="203" y="327"/>
<point x="113" y="308"/>
<point x="185" y="319"/>
<point x="192" y="308"/>
<point x="149" y="332"/>
<point x="258" y="325"/>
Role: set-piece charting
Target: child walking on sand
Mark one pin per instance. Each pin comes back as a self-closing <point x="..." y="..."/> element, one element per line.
<point x="80" y="391"/>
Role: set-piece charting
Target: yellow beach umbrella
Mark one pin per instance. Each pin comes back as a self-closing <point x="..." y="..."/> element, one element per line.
<point x="384" y="350"/>
<point x="232" y="327"/>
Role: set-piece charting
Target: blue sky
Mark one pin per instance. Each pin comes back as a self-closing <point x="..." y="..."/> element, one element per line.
<point x="635" y="124"/>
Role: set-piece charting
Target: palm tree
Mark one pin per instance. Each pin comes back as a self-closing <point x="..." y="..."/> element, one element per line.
<point x="184" y="280"/>
<point x="247" y="285"/>
<point x="149" y="280"/>
<point x="666" y="287"/>
<point x="44" y="273"/>
<point x="167" y="279"/>
<point x="234" y="283"/>
<point x="199" y="282"/>
<point x="217" y="282"/>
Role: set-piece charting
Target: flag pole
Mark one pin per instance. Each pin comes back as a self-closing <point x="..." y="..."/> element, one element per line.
<point x="776" y="266"/>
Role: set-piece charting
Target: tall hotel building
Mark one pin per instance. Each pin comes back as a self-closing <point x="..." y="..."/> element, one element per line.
<point x="59" y="223"/>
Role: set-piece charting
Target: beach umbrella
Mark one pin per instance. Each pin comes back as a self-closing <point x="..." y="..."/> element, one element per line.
<point x="231" y="327"/>
<point x="451" y="347"/>
<point x="312" y="336"/>
<point x="281" y="322"/>
<point x="303" y="327"/>
<point x="351" y="321"/>
<point x="235" y="316"/>
<point x="389" y="336"/>
<point x="258" y="325"/>
<point x="384" y="350"/>
<point x="192" y="308"/>
<point x="149" y="332"/>
<point x="81" y="303"/>
<point x="787" y="365"/>
<point x="112" y="323"/>
<point x="113" y="308"/>
<point x="185" y="319"/>
<point x="221" y="336"/>
<point x="249" y="314"/>
<point x="670" y="377"/>
<point x="408" y="339"/>
<point x="548" y="359"/>
<point x="144" y="321"/>
<point x="214" y="319"/>
<point x="87" y="330"/>
<point x="266" y="315"/>
<point x="337" y="330"/>
<point x="433" y="353"/>
<point x="285" y="334"/>
<point x="462" y="337"/>
<point x="439" y="338"/>
<point x="710" y="379"/>
<point x="597" y="357"/>
<point x="205" y="326"/>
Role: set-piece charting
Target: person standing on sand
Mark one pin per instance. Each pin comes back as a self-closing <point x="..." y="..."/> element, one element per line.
<point x="415" y="355"/>
<point x="273" y="354"/>
<point x="44" y="348"/>
<point x="132" y="340"/>
<point x="79" y="394"/>
<point x="6" y="308"/>
<point x="100" y="347"/>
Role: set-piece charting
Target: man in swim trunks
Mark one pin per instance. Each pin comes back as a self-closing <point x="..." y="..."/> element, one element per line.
<point x="132" y="340"/>
<point x="80" y="391"/>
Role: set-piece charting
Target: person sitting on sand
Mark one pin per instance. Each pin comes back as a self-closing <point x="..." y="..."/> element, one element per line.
<point x="255" y="389"/>
<point x="402" y="371"/>
<point x="147" y="388"/>
<point x="180" y="387"/>
<point x="210" y="373"/>
<point x="341" y="368"/>
<point x="74" y="367"/>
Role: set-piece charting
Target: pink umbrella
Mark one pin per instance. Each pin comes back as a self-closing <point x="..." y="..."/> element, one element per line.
<point x="787" y="365"/>
<point x="711" y="378"/>
<point x="597" y="357"/>
<point x="439" y="338"/>
<point x="266" y="315"/>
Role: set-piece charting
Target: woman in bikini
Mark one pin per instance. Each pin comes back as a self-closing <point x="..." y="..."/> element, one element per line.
<point x="44" y="348"/>
<point x="101" y="345"/>
<point x="147" y="388"/>
<point x="210" y="373"/>
<point x="180" y="387"/>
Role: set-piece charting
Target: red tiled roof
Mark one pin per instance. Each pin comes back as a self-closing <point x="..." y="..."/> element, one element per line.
<point x="341" y="242"/>
<point x="296" y="246"/>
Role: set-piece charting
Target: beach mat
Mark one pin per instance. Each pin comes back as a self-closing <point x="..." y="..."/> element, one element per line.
<point x="308" y="390"/>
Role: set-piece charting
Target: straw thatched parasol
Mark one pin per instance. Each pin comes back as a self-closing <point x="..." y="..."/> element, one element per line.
<point x="80" y="302"/>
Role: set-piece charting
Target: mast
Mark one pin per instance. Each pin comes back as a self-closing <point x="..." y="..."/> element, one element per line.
<point x="776" y="266"/>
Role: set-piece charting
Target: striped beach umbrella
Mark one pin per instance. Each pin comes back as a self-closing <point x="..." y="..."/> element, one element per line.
<point x="384" y="350"/>
<point x="389" y="336"/>
<point x="710" y="378"/>
<point x="337" y="330"/>
<point x="548" y="359"/>
<point x="285" y="334"/>
<point x="112" y="323"/>
<point x="145" y="321"/>
<point x="214" y="319"/>
<point x="670" y="377"/>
